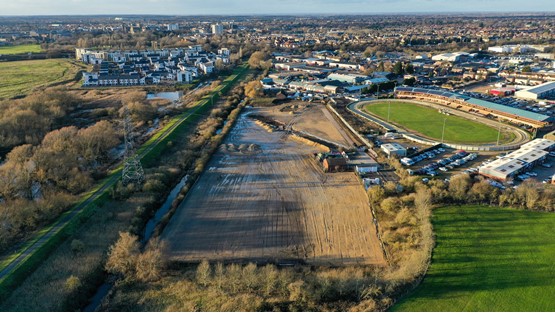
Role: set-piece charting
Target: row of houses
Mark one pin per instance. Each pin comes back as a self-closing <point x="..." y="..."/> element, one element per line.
<point x="147" y="67"/>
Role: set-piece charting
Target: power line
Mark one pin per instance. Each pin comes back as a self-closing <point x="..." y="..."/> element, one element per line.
<point x="133" y="172"/>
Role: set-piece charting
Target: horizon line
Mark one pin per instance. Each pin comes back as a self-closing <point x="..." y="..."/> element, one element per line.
<point x="496" y="12"/>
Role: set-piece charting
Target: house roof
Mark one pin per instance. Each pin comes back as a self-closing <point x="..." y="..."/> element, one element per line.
<point x="335" y="161"/>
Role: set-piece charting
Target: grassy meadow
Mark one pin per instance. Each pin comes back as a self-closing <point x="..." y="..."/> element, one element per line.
<point x="488" y="259"/>
<point x="32" y="48"/>
<point x="21" y="77"/>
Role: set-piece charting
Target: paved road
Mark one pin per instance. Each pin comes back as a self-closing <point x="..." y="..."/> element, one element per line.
<point x="42" y="239"/>
<point x="521" y="136"/>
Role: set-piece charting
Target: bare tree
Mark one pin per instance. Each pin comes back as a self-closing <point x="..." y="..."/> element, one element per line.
<point x="458" y="186"/>
<point x="122" y="255"/>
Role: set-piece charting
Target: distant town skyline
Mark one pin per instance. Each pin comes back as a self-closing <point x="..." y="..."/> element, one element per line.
<point x="247" y="7"/>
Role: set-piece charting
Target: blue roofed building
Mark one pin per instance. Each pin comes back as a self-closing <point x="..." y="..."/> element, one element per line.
<point x="476" y="106"/>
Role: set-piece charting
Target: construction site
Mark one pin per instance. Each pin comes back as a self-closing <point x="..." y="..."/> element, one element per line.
<point x="264" y="197"/>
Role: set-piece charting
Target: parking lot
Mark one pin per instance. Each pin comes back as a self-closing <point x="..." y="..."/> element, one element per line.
<point x="542" y="172"/>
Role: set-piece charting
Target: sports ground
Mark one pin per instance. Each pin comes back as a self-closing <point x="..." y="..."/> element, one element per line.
<point x="488" y="259"/>
<point x="429" y="122"/>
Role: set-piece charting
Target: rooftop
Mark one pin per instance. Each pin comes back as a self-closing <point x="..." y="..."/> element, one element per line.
<point x="542" y="88"/>
<point x="393" y="146"/>
<point x="482" y="103"/>
<point x="539" y="144"/>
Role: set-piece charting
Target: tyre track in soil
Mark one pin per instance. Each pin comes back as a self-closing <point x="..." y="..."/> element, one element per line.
<point x="276" y="204"/>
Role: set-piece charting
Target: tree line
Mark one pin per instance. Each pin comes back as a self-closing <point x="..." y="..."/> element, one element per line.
<point x="39" y="182"/>
<point x="27" y="120"/>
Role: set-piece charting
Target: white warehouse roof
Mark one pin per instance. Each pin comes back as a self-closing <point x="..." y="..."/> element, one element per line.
<point x="502" y="168"/>
<point x="539" y="144"/>
<point x="543" y="88"/>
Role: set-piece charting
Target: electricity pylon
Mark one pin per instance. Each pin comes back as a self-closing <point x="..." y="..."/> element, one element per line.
<point x="132" y="169"/>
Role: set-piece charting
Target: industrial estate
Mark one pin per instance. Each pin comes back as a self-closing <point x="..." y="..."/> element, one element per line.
<point x="277" y="163"/>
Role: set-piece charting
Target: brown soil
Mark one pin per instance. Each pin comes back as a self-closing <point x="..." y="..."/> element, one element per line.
<point x="312" y="118"/>
<point x="275" y="204"/>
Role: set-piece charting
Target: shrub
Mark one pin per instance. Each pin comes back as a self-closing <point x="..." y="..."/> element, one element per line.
<point x="77" y="246"/>
<point x="72" y="283"/>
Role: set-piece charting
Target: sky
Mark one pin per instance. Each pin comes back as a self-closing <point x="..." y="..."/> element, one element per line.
<point x="262" y="7"/>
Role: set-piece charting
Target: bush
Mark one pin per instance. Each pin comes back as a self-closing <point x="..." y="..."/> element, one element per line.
<point x="72" y="283"/>
<point x="77" y="246"/>
<point x="154" y="185"/>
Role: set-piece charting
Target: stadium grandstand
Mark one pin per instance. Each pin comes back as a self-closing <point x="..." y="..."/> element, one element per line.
<point x="476" y="106"/>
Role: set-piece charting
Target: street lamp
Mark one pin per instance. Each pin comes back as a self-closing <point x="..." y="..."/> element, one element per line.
<point x="443" y="132"/>
<point x="388" y="110"/>
<point x="499" y="135"/>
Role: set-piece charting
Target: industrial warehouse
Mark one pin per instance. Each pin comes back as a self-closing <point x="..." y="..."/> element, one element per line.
<point x="475" y="106"/>
<point x="516" y="162"/>
<point x="543" y="91"/>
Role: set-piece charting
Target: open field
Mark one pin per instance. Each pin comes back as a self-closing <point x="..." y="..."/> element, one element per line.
<point x="429" y="122"/>
<point x="21" y="77"/>
<point x="311" y="118"/>
<point x="273" y="203"/>
<point x="488" y="259"/>
<point x="20" y="49"/>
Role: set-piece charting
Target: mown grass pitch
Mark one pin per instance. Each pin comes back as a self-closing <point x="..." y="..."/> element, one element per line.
<point x="20" y="49"/>
<point x="429" y="122"/>
<point x="20" y="77"/>
<point x="488" y="259"/>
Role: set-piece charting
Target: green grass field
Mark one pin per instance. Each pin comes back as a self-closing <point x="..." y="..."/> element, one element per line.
<point x="488" y="259"/>
<point x="20" y="49"/>
<point x="20" y="77"/>
<point x="429" y="122"/>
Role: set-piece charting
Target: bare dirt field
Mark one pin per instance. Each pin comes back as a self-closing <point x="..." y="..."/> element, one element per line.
<point x="312" y="118"/>
<point x="271" y="202"/>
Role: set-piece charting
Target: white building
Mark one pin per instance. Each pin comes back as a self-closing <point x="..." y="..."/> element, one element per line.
<point x="348" y="78"/>
<point x="503" y="168"/>
<point x="517" y="48"/>
<point x="224" y="52"/>
<point x="515" y="162"/>
<point x="450" y="57"/>
<point x="217" y="29"/>
<point x="173" y="27"/>
<point x="207" y="68"/>
<point x="184" y="77"/>
<point x="394" y="149"/>
<point x="542" y="91"/>
<point x="540" y="144"/>
<point x="90" y="79"/>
